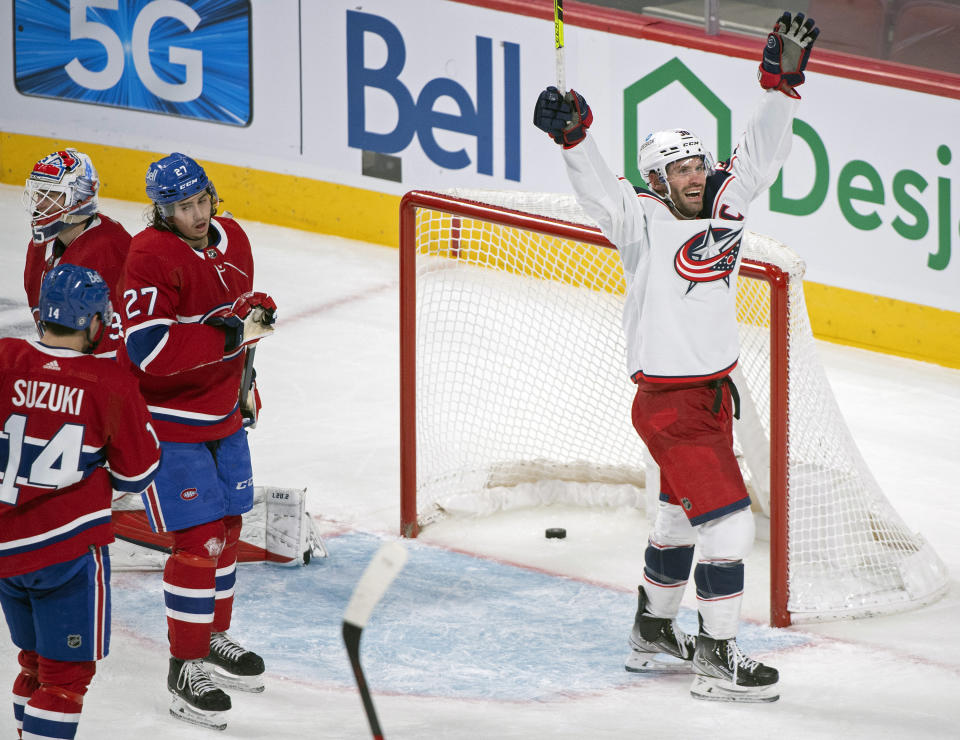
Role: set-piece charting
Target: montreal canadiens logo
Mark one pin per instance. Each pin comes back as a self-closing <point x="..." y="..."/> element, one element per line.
<point x="188" y="494"/>
<point x="708" y="256"/>
<point x="54" y="166"/>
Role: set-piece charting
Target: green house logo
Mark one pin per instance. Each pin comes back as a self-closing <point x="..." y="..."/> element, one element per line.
<point x="860" y="188"/>
<point x="647" y="87"/>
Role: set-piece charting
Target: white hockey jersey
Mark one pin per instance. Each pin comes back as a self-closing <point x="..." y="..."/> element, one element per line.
<point x="680" y="313"/>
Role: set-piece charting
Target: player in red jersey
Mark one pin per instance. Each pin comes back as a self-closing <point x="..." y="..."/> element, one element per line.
<point x="61" y="196"/>
<point x="64" y="418"/>
<point x="190" y="316"/>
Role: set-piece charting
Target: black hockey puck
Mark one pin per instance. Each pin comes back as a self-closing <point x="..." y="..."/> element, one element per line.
<point x="556" y="533"/>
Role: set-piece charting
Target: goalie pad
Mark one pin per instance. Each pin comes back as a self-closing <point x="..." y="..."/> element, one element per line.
<point x="281" y="527"/>
<point x="278" y="530"/>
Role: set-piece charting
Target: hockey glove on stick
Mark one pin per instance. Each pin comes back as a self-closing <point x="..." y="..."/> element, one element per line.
<point x="248" y="320"/>
<point x="565" y="118"/>
<point x="786" y="53"/>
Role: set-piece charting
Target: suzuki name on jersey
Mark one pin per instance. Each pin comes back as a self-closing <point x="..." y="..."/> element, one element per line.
<point x="39" y="394"/>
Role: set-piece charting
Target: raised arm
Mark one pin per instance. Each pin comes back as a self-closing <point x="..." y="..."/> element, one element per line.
<point x="609" y="200"/>
<point x="765" y="144"/>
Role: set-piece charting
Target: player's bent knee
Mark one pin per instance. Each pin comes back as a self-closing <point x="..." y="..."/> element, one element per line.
<point x="29" y="661"/>
<point x="232" y="525"/>
<point x="729" y="537"/>
<point x="69" y="678"/>
<point x="26" y="681"/>
<point x="672" y="526"/>
<point x="203" y="541"/>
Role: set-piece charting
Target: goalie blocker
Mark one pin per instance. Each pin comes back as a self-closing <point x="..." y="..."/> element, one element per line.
<point x="277" y="530"/>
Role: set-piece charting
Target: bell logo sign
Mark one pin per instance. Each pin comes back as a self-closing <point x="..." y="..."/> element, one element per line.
<point x="416" y="114"/>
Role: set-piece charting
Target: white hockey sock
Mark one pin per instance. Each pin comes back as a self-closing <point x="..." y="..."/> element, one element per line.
<point x="663" y="601"/>
<point x="665" y="573"/>
<point x="719" y="597"/>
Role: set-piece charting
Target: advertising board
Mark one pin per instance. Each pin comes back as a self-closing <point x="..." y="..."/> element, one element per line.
<point x="356" y="105"/>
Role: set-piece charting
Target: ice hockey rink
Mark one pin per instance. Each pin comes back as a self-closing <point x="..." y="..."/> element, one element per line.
<point x="491" y="630"/>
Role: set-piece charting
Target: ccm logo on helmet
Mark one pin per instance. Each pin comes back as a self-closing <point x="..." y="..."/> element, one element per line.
<point x="188" y="494"/>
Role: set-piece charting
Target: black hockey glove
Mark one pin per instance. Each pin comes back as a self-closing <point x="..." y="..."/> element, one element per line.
<point x="786" y="53"/>
<point x="565" y="118"/>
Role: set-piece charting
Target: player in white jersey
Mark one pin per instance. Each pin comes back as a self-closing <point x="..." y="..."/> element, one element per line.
<point x="679" y="242"/>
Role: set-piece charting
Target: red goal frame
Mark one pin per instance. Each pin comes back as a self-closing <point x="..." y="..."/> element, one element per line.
<point x="777" y="279"/>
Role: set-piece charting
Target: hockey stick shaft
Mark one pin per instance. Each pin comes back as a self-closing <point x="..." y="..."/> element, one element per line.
<point x="143" y="543"/>
<point x="373" y="584"/>
<point x="351" y="638"/>
<point x="558" y="44"/>
<point x="246" y="380"/>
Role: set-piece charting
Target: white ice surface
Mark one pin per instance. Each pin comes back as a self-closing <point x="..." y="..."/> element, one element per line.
<point x="329" y="378"/>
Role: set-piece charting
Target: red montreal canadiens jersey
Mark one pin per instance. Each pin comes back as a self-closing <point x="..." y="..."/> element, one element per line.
<point x="191" y="389"/>
<point x="64" y="416"/>
<point x="102" y="246"/>
<point x="679" y="318"/>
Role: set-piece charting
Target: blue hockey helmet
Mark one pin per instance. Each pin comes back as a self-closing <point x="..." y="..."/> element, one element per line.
<point x="71" y="296"/>
<point x="175" y="178"/>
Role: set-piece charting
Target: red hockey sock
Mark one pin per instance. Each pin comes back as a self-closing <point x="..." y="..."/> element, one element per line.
<point x="24" y="684"/>
<point x="227" y="574"/>
<point x="55" y="706"/>
<point x="189" y="587"/>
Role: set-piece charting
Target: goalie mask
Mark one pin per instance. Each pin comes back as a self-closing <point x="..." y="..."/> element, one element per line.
<point x="177" y="177"/>
<point x="60" y="191"/>
<point x="663" y="147"/>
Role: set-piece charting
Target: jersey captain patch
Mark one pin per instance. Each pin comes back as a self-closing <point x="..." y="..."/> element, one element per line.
<point x="708" y="255"/>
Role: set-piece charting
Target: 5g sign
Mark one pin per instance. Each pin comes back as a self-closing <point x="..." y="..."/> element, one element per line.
<point x="188" y="58"/>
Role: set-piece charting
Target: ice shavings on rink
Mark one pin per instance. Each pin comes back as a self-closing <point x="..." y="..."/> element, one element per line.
<point x="451" y="625"/>
<point x="329" y="423"/>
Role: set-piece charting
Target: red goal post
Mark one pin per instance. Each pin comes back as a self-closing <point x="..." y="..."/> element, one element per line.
<point x="540" y="250"/>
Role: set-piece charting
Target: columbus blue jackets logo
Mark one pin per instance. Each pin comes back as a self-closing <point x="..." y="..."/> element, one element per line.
<point x="708" y="256"/>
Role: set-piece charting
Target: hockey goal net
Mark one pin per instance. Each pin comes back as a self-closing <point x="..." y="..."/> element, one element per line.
<point x="514" y="392"/>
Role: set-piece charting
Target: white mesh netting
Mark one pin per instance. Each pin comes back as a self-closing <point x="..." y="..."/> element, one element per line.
<point x="522" y="398"/>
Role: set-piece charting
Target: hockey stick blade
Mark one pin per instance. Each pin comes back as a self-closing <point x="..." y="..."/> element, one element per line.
<point x="373" y="584"/>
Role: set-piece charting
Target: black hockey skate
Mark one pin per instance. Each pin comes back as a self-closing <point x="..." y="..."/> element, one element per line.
<point x="194" y="697"/>
<point x="658" y="644"/>
<point x="232" y="666"/>
<point x="723" y="673"/>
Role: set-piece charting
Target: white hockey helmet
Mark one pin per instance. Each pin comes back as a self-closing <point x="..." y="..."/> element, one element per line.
<point x="61" y="190"/>
<point x="663" y="147"/>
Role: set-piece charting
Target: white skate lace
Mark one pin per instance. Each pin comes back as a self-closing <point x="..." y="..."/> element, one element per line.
<point x="682" y="638"/>
<point x="198" y="679"/>
<point x="223" y="645"/>
<point x="737" y="660"/>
